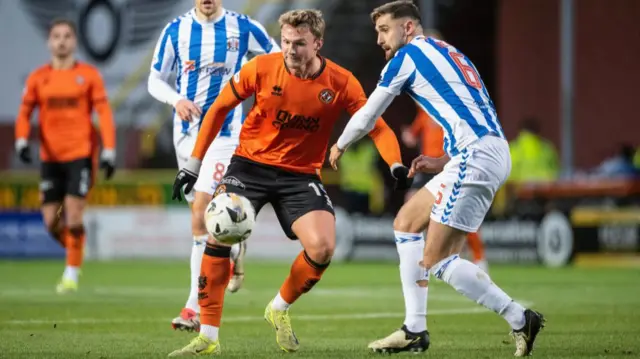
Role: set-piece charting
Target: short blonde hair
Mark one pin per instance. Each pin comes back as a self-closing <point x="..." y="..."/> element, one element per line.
<point x="306" y="17"/>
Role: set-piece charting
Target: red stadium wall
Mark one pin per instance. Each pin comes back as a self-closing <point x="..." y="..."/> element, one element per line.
<point x="607" y="45"/>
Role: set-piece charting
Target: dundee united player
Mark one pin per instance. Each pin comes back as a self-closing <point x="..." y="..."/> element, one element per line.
<point x="445" y="84"/>
<point x="299" y="97"/>
<point x="204" y="47"/>
<point x="66" y="93"/>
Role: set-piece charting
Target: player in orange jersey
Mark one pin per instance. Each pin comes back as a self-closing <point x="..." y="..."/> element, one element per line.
<point x="66" y="93"/>
<point x="299" y="97"/>
<point x="432" y="145"/>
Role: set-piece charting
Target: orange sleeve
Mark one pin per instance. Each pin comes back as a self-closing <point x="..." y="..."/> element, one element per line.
<point x="382" y="135"/>
<point x="213" y="120"/>
<point x="243" y="83"/>
<point x="241" y="86"/>
<point x="386" y="142"/>
<point x="101" y="105"/>
<point x="29" y="102"/>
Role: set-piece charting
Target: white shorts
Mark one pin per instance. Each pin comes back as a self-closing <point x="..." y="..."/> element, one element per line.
<point x="214" y="163"/>
<point x="465" y="188"/>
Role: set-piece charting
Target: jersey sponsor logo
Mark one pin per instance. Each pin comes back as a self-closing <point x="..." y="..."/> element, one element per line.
<point x="236" y="77"/>
<point x="287" y="120"/>
<point x="326" y="96"/>
<point x="212" y="69"/>
<point x="233" y="43"/>
<point x="62" y="102"/>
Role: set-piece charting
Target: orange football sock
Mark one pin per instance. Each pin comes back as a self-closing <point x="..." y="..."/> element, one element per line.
<point x="304" y="274"/>
<point x="476" y="246"/>
<point x="214" y="277"/>
<point x="74" y="242"/>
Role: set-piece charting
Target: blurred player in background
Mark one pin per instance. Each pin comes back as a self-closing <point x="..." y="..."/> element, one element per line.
<point x="66" y="93"/>
<point x="204" y="48"/>
<point x="299" y="97"/>
<point x="446" y="84"/>
<point x="432" y="146"/>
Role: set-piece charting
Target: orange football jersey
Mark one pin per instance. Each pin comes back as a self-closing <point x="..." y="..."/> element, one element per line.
<point x="66" y="100"/>
<point x="432" y="134"/>
<point x="292" y="119"/>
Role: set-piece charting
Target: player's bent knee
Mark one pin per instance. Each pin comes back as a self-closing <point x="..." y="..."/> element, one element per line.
<point x="319" y="246"/>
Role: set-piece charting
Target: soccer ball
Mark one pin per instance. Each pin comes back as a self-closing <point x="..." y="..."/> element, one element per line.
<point x="230" y="218"/>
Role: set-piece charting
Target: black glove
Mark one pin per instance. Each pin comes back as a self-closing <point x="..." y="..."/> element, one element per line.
<point x="23" y="151"/>
<point x="403" y="182"/>
<point x="184" y="178"/>
<point x="108" y="163"/>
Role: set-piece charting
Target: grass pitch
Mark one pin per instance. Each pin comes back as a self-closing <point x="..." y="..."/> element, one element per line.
<point x="123" y="310"/>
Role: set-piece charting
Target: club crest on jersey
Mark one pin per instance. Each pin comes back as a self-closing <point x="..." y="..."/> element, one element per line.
<point x="326" y="96"/>
<point x="79" y="80"/>
<point x="233" y="43"/>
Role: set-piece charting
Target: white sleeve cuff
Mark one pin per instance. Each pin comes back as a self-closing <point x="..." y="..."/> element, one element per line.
<point x="161" y="90"/>
<point x="21" y="143"/>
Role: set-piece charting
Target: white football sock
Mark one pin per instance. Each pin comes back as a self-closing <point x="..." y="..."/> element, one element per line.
<point x="209" y="331"/>
<point x="410" y="249"/>
<point x="71" y="273"/>
<point x="472" y="282"/>
<point x="279" y="303"/>
<point x="197" y="251"/>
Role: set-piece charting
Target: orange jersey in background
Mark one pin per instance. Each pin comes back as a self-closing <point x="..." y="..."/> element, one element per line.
<point x="432" y="141"/>
<point x="292" y="119"/>
<point x="66" y="100"/>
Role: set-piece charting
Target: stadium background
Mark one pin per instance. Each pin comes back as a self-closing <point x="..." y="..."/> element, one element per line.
<point x="580" y="220"/>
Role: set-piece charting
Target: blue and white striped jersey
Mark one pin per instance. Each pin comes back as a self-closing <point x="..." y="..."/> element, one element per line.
<point x="446" y="84"/>
<point x="205" y="55"/>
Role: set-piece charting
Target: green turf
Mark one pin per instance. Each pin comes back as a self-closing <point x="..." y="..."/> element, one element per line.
<point x="124" y="308"/>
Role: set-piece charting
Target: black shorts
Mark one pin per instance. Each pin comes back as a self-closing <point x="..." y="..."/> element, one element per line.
<point x="421" y="179"/>
<point x="291" y="194"/>
<point x="66" y="178"/>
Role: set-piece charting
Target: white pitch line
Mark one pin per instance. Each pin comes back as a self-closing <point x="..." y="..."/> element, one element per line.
<point x="85" y="294"/>
<point x="244" y="319"/>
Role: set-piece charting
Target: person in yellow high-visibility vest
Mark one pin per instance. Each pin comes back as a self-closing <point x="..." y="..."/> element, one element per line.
<point x="360" y="180"/>
<point x="533" y="158"/>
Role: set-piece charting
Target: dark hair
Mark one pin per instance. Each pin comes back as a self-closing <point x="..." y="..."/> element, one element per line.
<point x="63" y="21"/>
<point x="397" y="9"/>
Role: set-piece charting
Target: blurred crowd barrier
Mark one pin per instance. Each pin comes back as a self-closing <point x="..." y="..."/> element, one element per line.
<point x="554" y="224"/>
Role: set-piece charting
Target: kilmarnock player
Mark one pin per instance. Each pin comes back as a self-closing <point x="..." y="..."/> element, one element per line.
<point x="204" y="48"/>
<point x="447" y="86"/>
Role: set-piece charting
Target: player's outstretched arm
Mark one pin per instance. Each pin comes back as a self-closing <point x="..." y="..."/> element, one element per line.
<point x="387" y="143"/>
<point x="107" y="127"/>
<point x="214" y="119"/>
<point x="211" y="125"/>
<point x="23" y="121"/>
<point x="384" y="138"/>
